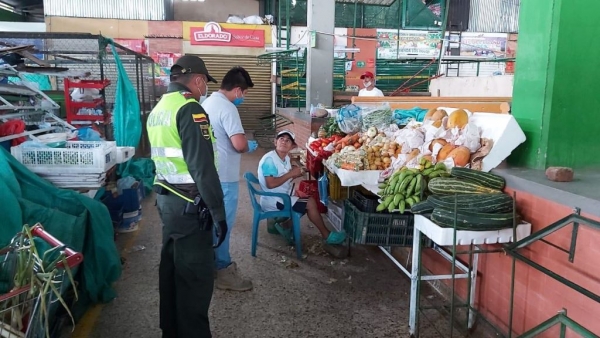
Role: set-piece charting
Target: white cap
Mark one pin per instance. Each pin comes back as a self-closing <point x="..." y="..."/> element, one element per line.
<point x="286" y="132"/>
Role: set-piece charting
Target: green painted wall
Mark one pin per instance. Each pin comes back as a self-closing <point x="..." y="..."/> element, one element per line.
<point x="556" y="91"/>
<point x="575" y="121"/>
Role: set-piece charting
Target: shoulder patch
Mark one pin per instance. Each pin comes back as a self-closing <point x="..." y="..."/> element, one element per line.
<point x="200" y="118"/>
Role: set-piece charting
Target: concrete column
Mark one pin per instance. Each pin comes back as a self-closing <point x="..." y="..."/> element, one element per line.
<point x="319" y="62"/>
<point x="555" y="96"/>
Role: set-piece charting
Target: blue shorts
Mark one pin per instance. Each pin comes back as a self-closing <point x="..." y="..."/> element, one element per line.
<point x="299" y="206"/>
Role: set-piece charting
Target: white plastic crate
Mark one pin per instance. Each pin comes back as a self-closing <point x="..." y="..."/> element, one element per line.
<point x="125" y="154"/>
<point x="78" y="157"/>
<point x="335" y="214"/>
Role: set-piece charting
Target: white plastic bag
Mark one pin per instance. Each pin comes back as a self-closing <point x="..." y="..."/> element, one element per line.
<point x="235" y="19"/>
<point x="253" y="20"/>
<point x="469" y="137"/>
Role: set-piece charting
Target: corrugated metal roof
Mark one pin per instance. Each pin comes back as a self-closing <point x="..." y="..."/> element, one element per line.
<point x="494" y="16"/>
<point x="369" y="2"/>
<point x="107" y="9"/>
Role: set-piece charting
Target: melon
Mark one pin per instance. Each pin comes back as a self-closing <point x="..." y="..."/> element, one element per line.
<point x="437" y="141"/>
<point x="445" y="151"/>
<point x="459" y="118"/>
<point x="439" y="115"/>
<point x="429" y="114"/>
<point x="461" y="156"/>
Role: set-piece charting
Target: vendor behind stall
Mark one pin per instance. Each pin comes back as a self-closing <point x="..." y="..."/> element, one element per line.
<point x="369" y="83"/>
<point x="275" y="173"/>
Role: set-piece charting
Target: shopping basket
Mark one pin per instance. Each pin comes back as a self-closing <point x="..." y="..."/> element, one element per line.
<point x="27" y="310"/>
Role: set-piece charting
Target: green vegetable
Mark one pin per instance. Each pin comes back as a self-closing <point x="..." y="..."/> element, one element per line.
<point x="486" y="179"/>
<point x="449" y="186"/>
<point x="466" y="220"/>
<point x="487" y="203"/>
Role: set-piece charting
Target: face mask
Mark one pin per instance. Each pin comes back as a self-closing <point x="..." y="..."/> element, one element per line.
<point x="367" y="84"/>
<point x="203" y="97"/>
<point x="238" y="100"/>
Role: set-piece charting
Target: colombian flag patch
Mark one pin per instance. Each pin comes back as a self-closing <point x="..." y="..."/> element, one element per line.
<point x="199" y="118"/>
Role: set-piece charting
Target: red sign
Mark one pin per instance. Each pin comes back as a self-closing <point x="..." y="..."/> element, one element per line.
<point x="133" y="44"/>
<point x="213" y="35"/>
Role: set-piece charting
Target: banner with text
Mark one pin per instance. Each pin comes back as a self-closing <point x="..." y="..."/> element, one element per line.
<point x="212" y="34"/>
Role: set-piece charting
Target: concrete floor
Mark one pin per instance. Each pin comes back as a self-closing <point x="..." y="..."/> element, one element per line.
<point x="362" y="296"/>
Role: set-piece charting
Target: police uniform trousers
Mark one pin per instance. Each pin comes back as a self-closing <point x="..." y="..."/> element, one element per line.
<point x="185" y="273"/>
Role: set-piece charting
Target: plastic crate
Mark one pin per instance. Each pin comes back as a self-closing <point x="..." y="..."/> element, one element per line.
<point x="365" y="203"/>
<point x="377" y="228"/>
<point x="335" y="214"/>
<point x="336" y="191"/>
<point x="78" y="157"/>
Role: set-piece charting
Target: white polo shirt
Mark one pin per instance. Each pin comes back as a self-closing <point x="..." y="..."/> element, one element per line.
<point x="225" y="121"/>
<point x="272" y="165"/>
<point x="373" y="92"/>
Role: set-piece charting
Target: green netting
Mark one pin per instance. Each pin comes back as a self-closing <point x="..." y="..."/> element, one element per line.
<point x="77" y="220"/>
<point x="418" y="15"/>
<point x="392" y="74"/>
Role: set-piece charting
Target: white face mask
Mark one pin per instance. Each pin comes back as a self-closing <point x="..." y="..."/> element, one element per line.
<point x="367" y="84"/>
<point x="205" y="96"/>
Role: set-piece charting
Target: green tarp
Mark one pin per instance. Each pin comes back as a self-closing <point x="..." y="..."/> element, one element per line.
<point x="77" y="220"/>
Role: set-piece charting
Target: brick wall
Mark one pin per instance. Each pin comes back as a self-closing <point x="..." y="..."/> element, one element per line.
<point x="537" y="296"/>
<point x="170" y="28"/>
<point x="301" y="127"/>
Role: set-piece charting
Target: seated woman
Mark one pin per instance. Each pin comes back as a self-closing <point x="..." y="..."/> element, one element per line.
<point x="275" y="173"/>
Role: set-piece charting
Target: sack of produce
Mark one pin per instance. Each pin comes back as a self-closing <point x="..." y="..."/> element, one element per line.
<point x="349" y="119"/>
<point x="379" y="116"/>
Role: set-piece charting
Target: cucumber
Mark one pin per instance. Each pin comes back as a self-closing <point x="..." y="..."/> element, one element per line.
<point x="485" y="203"/>
<point x="472" y="221"/>
<point x="422" y="207"/>
<point x="482" y="178"/>
<point x="449" y="186"/>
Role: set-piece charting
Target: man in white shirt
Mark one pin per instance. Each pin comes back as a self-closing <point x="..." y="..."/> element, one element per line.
<point x="369" y="83"/>
<point x="224" y="117"/>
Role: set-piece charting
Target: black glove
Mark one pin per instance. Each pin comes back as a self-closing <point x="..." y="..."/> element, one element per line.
<point x="221" y="233"/>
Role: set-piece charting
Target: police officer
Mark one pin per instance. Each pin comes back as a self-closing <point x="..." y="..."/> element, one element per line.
<point x="189" y="199"/>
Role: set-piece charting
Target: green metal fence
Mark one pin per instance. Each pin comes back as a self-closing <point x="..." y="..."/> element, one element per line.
<point x="293" y="82"/>
<point x="392" y="74"/>
<point x="416" y="15"/>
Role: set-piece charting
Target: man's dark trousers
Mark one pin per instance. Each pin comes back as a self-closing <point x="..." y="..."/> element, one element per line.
<point x="185" y="272"/>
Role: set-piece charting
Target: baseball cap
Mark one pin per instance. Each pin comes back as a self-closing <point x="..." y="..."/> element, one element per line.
<point x="288" y="133"/>
<point x="367" y="74"/>
<point x="192" y="64"/>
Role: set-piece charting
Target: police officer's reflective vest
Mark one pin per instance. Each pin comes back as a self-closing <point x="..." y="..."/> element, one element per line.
<point x="164" y="138"/>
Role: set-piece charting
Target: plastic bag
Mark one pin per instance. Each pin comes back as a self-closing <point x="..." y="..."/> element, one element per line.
<point x="126" y="114"/>
<point x="349" y="119"/>
<point x="253" y="20"/>
<point x="235" y="19"/>
<point x="88" y="134"/>
<point x="323" y="184"/>
<point x="379" y="116"/>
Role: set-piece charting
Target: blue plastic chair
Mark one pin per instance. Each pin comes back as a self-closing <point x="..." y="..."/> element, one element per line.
<point x="260" y="214"/>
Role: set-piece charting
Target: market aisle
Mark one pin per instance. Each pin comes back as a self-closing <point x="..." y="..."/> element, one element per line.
<point x="364" y="296"/>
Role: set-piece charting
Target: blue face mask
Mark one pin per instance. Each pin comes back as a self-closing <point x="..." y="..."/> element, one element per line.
<point x="238" y="100"/>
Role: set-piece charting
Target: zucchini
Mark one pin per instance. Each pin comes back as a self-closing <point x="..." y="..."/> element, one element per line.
<point x="482" y="178"/>
<point x="472" y="221"/>
<point x="487" y="203"/>
<point x="449" y="186"/>
<point x="422" y="207"/>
